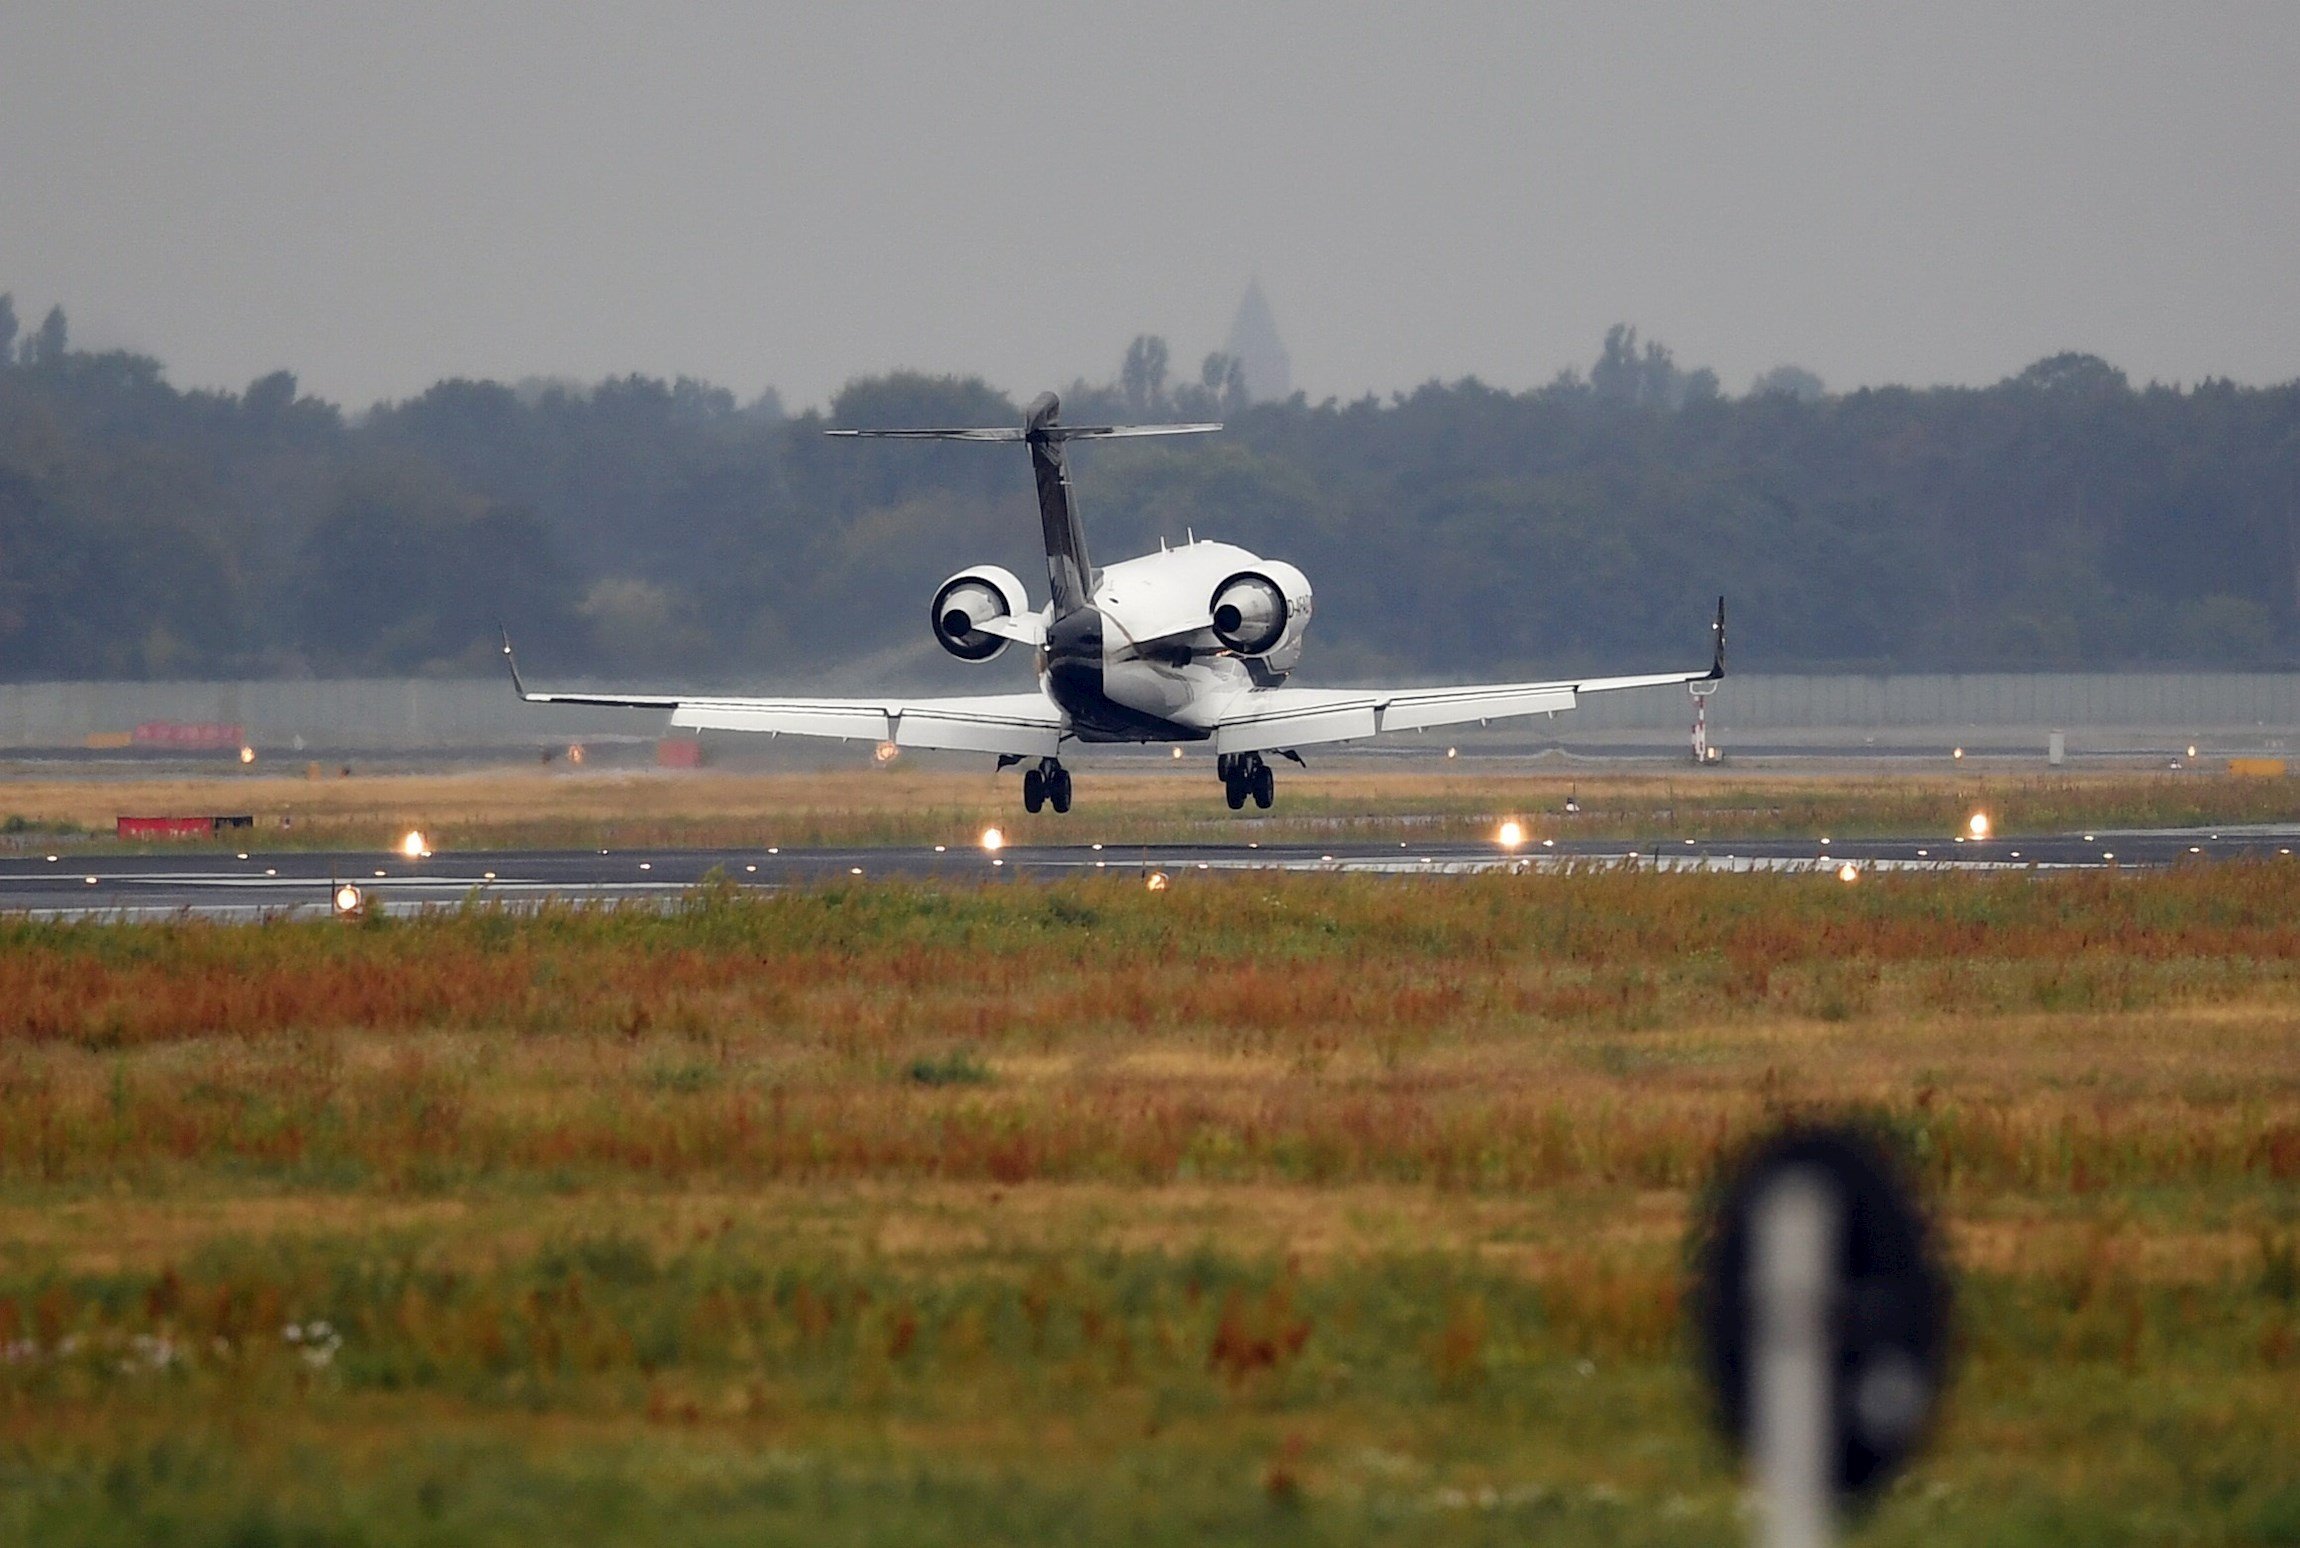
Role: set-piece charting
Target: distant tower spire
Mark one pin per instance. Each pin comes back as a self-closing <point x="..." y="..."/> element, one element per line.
<point x="1255" y="344"/>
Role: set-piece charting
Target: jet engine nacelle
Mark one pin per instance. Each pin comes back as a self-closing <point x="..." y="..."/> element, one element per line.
<point x="971" y="598"/>
<point x="1262" y="612"/>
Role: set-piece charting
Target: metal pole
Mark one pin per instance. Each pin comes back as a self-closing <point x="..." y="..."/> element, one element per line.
<point x="1791" y="1272"/>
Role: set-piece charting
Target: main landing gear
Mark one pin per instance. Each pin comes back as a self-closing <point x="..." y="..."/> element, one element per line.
<point x="1048" y="783"/>
<point x="1243" y="775"/>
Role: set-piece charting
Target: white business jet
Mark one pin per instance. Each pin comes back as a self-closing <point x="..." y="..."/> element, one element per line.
<point x="1189" y="644"/>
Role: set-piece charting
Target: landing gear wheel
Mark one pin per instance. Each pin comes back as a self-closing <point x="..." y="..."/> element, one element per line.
<point x="1234" y="792"/>
<point x="1265" y="786"/>
<point x="1033" y="790"/>
<point x="1058" y="789"/>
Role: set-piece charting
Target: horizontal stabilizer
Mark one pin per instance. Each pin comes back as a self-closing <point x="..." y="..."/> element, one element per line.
<point x="1045" y="433"/>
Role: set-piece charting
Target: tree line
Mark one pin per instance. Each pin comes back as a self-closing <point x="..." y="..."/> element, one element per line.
<point x="2060" y="519"/>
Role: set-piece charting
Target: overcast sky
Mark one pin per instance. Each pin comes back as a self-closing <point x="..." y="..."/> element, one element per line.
<point x="792" y="195"/>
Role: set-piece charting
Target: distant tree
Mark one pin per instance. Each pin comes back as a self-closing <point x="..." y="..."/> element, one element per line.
<point x="1619" y="374"/>
<point x="1648" y="378"/>
<point x="268" y="397"/>
<point x="48" y="345"/>
<point x="1143" y="376"/>
<point x="7" y="328"/>
<point x="2074" y="375"/>
<point x="911" y="398"/>
<point x="1224" y="377"/>
<point x="1788" y="381"/>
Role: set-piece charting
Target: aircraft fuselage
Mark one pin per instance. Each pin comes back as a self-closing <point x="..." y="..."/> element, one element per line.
<point x="1140" y="663"/>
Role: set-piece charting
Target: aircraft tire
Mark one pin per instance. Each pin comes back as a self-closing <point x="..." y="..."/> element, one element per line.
<point x="1234" y="792"/>
<point x="1265" y="786"/>
<point x="1058" y="790"/>
<point x="1033" y="790"/>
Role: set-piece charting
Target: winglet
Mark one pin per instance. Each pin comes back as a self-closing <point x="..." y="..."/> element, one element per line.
<point x="1716" y="663"/>
<point x="512" y="661"/>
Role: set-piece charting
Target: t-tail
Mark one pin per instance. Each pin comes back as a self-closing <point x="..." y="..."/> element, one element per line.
<point x="1069" y="572"/>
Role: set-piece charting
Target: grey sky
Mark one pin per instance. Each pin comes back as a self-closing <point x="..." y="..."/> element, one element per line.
<point x="378" y="196"/>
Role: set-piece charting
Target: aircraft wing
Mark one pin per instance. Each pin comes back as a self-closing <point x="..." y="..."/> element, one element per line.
<point x="1022" y="724"/>
<point x="1271" y="719"/>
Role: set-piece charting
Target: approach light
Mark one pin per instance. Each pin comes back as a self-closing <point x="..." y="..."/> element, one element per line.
<point x="2191" y="749"/>
<point x="349" y="900"/>
<point x="1157" y="882"/>
<point x="247" y="755"/>
<point x="1959" y="753"/>
<point x="1512" y="834"/>
<point x="993" y="840"/>
<point x="1848" y="872"/>
<point x="1177" y="754"/>
<point x="412" y="846"/>
<point x="575" y="753"/>
<point x="1453" y="752"/>
<point x="886" y="752"/>
<point x="1978" y="825"/>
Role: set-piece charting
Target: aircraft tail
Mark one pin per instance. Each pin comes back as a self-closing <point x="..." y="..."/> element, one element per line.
<point x="1069" y="572"/>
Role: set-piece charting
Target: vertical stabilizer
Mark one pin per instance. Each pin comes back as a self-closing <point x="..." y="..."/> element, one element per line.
<point x="1069" y="572"/>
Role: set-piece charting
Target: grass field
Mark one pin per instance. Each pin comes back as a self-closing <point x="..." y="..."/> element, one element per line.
<point x="530" y="807"/>
<point x="1314" y="1209"/>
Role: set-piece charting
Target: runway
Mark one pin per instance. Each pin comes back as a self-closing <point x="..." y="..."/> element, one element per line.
<point x="260" y="885"/>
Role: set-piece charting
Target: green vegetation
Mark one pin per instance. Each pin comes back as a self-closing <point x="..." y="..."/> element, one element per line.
<point x="2061" y="519"/>
<point x="1316" y="1208"/>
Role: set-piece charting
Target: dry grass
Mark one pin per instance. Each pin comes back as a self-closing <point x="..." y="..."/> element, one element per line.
<point x="1325" y="1206"/>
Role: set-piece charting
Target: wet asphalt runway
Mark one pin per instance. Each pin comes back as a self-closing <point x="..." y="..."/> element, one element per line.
<point x="223" y="885"/>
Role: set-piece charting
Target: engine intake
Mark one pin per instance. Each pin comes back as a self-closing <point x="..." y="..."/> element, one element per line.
<point x="1250" y="614"/>
<point x="970" y="599"/>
